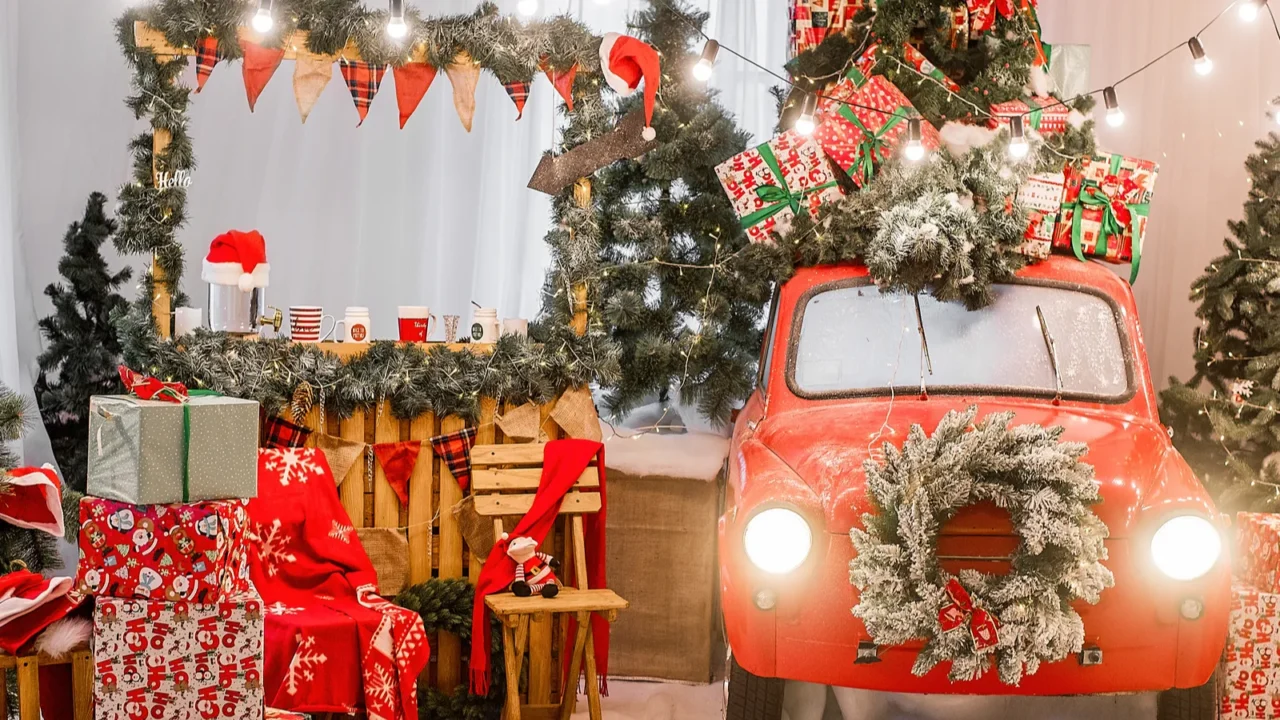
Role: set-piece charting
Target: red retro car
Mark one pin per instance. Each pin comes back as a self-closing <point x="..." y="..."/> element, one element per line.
<point x="842" y="372"/>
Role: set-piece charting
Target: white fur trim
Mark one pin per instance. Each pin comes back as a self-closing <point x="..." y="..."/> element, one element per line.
<point x="52" y="504"/>
<point x="13" y="607"/>
<point x="229" y="273"/>
<point x="64" y="636"/>
<point x="619" y="85"/>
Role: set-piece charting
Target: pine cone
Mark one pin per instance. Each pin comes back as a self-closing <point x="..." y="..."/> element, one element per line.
<point x="303" y="400"/>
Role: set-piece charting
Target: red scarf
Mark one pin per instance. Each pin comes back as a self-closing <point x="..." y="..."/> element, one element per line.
<point x="563" y="462"/>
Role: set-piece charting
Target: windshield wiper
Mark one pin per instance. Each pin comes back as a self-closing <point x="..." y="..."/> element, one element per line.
<point x="1053" y="355"/>
<point x="924" y="349"/>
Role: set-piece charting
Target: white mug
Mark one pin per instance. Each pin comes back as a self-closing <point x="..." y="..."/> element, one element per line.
<point x="306" y="324"/>
<point x="515" y="326"/>
<point x="186" y="320"/>
<point x="355" y="326"/>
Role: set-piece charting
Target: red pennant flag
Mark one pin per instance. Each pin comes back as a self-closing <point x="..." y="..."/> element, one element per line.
<point x="412" y="82"/>
<point x="206" y="58"/>
<point x="563" y="81"/>
<point x="398" y="461"/>
<point x="363" y="80"/>
<point x="519" y="92"/>
<point x="259" y="65"/>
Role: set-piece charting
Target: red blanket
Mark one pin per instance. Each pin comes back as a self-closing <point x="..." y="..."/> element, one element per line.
<point x="332" y="644"/>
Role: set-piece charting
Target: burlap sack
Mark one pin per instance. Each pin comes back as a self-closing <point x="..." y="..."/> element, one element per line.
<point x="522" y="423"/>
<point x="575" y="413"/>
<point x="388" y="549"/>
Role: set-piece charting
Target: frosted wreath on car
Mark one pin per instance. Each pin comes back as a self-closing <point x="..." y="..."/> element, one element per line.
<point x="856" y="340"/>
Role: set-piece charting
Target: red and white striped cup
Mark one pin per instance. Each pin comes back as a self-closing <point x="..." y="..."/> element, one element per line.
<point x="306" y="321"/>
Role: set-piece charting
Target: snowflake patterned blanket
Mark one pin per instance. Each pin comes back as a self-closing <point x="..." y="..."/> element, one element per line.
<point x="332" y="644"/>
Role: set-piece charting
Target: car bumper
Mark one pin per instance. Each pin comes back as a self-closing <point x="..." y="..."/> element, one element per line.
<point x="810" y="634"/>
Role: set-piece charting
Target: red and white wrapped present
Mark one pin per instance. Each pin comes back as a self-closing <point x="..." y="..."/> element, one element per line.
<point x="1104" y="212"/>
<point x="196" y="552"/>
<point x="771" y="183"/>
<point x="1258" y="550"/>
<point x="178" y="660"/>
<point x="860" y="135"/>
<point x="922" y="65"/>
<point x="1251" y="673"/>
<point x="1042" y="114"/>
<point x="813" y="20"/>
<point x="1042" y="196"/>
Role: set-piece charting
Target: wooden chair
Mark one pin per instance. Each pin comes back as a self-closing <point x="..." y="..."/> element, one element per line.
<point x="503" y="481"/>
<point x="27" y="668"/>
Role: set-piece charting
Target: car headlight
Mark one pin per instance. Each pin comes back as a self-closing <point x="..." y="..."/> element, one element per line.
<point x="1186" y="547"/>
<point x="777" y="540"/>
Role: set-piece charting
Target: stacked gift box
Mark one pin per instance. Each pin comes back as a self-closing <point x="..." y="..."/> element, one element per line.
<point x="164" y="547"/>
<point x="1250" y="673"/>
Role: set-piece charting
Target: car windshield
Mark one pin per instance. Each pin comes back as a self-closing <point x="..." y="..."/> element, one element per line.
<point x="857" y="340"/>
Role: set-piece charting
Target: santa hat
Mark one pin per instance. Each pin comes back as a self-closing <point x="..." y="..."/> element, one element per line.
<point x="33" y="500"/>
<point x="237" y="258"/>
<point x="29" y="603"/>
<point x="625" y="61"/>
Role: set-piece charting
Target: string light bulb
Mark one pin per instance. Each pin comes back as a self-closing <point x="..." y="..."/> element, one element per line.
<point x="396" y="26"/>
<point x="914" y="152"/>
<point x="262" y="20"/>
<point x="527" y="7"/>
<point x="1115" y="116"/>
<point x="805" y="124"/>
<point x="706" y="64"/>
<point x="1019" y="148"/>
<point x="1204" y="64"/>
<point x="1249" y="10"/>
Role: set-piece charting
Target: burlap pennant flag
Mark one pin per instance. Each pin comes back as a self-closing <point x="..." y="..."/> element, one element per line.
<point x="412" y="82"/>
<point x="340" y="453"/>
<point x="388" y="551"/>
<point x="464" y="73"/>
<point x="563" y="81"/>
<point x="363" y="80"/>
<point x="522" y="423"/>
<point x="575" y="413"/>
<point x="398" y="460"/>
<point x="519" y="92"/>
<point x="206" y="58"/>
<point x="260" y="64"/>
<point x="311" y="75"/>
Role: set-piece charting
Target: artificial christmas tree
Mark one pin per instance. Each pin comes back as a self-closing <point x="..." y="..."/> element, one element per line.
<point x="82" y="350"/>
<point x="1223" y="417"/>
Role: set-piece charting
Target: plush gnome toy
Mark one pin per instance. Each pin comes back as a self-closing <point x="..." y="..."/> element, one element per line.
<point x="237" y="258"/>
<point x="626" y="61"/>
<point x="535" y="571"/>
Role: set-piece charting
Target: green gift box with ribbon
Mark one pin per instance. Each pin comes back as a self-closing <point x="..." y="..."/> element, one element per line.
<point x="772" y="183"/>
<point x="149" y="452"/>
<point x="1105" y="209"/>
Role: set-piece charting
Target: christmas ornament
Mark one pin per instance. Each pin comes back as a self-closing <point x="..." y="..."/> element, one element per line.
<point x="412" y="82"/>
<point x="557" y="172"/>
<point x="29" y="603"/>
<point x="904" y="593"/>
<point x="363" y="81"/>
<point x="625" y="61"/>
<point x="464" y="73"/>
<point x="206" y="59"/>
<point x="455" y="450"/>
<point x="32" y="498"/>
<point x="535" y="571"/>
<point x="398" y="460"/>
<point x="260" y="64"/>
<point x="311" y="75"/>
<point x="518" y="90"/>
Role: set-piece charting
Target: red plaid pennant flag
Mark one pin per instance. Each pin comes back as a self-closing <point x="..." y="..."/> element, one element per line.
<point x="519" y="92"/>
<point x="363" y="80"/>
<point x="206" y="58"/>
<point x="455" y="450"/>
<point x="279" y="433"/>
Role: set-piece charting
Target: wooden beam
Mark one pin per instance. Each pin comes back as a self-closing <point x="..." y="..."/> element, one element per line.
<point x="145" y="36"/>
<point x="574" y="503"/>
<point x="161" y="302"/>
<point x="582" y="196"/>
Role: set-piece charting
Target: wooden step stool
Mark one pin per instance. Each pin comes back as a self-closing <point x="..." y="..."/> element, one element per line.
<point x="28" y="669"/>
<point x="504" y="479"/>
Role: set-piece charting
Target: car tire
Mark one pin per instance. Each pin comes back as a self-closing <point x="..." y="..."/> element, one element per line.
<point x="752" y="697"/>
<point x="1197" y="703"/>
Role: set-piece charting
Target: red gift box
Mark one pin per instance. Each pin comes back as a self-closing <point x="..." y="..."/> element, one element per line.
<point x="1104" y="212"/>
<point x="1041" y="195"/>
<point x="1042" y="114"/>
<point x="197" y="552"/>
<point x="178" y="660"/>
<point x="770" y="183"/>
<point x="922" y="65"/>
<point x="813" y="20"/>
<point x="1258" y="550"/>
<point x="1251" y="673"/>
<point x="860" y="135"/>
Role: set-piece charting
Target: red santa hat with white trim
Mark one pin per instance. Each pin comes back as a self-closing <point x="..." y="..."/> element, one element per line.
<point x="625" y="61"/>
<point x="237" y="258"/>
<point x="33" y="499"/>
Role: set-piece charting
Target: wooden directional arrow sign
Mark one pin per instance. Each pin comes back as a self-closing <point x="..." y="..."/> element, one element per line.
<point x="557" y="172"/>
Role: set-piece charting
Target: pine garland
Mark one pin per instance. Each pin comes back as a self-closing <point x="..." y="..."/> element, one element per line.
<point x="917" y="489"/>
<point x="445" y="605"/>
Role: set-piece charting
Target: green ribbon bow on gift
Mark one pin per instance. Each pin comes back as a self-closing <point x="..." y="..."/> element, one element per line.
<point x="872" y="142"/>
<point x="1117" y="219"/>
<point x="778" y="196"/>
<point x="1037" y="112"/>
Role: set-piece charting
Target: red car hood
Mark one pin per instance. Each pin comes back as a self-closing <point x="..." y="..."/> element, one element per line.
<point x="827" y="446"/>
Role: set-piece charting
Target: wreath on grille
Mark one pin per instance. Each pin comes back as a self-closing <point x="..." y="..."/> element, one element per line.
<point x="1020" y="619"/>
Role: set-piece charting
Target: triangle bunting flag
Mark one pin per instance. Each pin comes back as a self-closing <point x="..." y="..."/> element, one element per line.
<point x="363" y="80"/>
<point x="311" y="75"/>
<point x="398" y="460"/>
<point x="206" y="58"/>
<point x="259" y="65"/>
<point x="464" y="73"/>
<point x="412" y="82"/>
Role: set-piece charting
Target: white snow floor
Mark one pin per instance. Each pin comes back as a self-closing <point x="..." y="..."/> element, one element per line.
<point x="667" y="701"/>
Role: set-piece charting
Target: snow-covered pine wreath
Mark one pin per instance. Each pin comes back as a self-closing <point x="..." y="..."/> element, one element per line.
<point x="1022" y="618"/>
